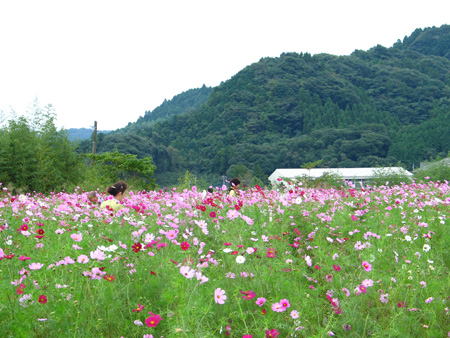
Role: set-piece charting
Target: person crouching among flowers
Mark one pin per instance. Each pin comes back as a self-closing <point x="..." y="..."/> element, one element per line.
<point x="117" y="191"/>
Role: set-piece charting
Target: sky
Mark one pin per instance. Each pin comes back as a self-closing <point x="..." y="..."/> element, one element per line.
<point x="110" y="61"/>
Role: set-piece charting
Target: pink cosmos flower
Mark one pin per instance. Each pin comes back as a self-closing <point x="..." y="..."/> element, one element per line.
<point x="277" y="307"/>
<point x="220" y="296"/>
<point x="247" y="336"/>
<point x="429" y="300"/>
<point x="187" y="272"/>
<point x="24" y="258"/>
<point x="308" y="261"/>
<point x="98" y="254"/>
<point x="367" y="283"/>
<point x="83" y="259"/>
<point x="35" y="266"/>
<point x="77" y="237"/>
<point x="384" y="298"/>
<point x="294" y="314"/>
<point x="367" y="266"/>
<point x="260" y="301"/>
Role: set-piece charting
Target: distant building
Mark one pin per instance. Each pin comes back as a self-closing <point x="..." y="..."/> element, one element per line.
<point x="426" y="165"/>
<point x="363" y="175"/>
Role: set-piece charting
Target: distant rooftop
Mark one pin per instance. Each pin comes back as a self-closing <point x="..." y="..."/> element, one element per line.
<point x="345" y="173"/>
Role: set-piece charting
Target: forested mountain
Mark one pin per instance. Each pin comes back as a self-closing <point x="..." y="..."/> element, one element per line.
<point x="185" y="102"/>
<point x="82" y="133"/>
<point x="375" y="107"/>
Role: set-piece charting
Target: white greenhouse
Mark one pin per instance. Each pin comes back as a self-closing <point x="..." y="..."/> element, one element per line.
<point x="356" y="175"/>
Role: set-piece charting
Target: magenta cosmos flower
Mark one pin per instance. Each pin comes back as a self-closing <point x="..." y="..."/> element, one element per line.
<point x="220" y="296"/>
<point x="367" y="266"/>
<point x="272" y="333"/>
<point x="153" y="320"/>
<point x="184" y="246"/>
<point x="271" y="253"/>
<point x="285" y="303"/>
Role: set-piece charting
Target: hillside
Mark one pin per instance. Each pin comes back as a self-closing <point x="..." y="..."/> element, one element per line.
<point x="375" y="107"/>
<point x="183" y="103"/>
<point x="75" y="134"/>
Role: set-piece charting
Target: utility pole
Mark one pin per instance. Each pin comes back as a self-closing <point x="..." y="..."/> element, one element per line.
<point x="94" y="141"/>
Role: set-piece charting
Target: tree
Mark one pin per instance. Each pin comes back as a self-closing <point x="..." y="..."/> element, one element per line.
<point x="113" y="166"/>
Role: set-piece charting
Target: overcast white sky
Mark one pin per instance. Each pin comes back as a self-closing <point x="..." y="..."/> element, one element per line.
<point x="110" y="61"/>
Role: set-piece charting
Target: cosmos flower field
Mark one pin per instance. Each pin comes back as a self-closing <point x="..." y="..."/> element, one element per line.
<point x="366" y="262"/>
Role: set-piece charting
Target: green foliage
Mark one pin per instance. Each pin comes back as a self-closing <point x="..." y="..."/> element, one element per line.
<point x="35" y="156"/>
<point x="111" y="167"/>
<point x="183" y="103"/>
<point x="389" y="177"/>
<point x="187" y="181"/>
<point x="434" y="171"/>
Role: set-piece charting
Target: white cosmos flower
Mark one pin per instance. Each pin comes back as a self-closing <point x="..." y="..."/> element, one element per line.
<point x="227" y="250"/>
<point x="426" y="247"/>
<point x="408" y="238"/>
<point x="240" y="259"/>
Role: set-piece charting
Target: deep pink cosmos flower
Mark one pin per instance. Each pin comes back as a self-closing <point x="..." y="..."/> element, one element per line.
<point x="184" y="246"/>
<point x="248" y="294"/>
<point x="285" y="303"/>
<point x="137" y="247"/>
<point x="42" y="299"/>
<point x="212" y="214"/>
<point x="337" y="267"/>
<point x="109" y="278"/>
<point x="367" y="266"/>
<point x="139" y="308"/>
<point x="19" y="290"/>
<point x="153" y="320"/>
<point x="271" y="253"/>
<point x="272" y="333"/>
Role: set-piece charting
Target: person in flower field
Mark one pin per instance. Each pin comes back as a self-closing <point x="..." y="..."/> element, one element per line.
<point x="117" y="191"/>
<point x="234" y="187"/>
